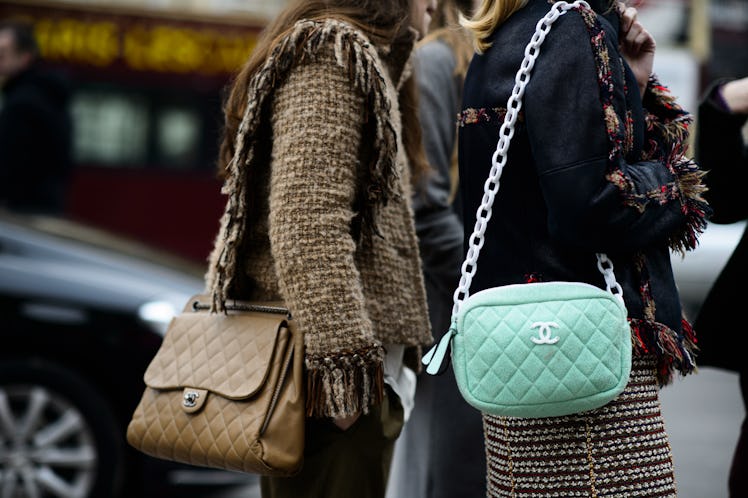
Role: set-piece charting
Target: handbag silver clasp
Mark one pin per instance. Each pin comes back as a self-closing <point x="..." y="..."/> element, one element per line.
<point x="193" y="399"/>
<point x="190" y="399"/>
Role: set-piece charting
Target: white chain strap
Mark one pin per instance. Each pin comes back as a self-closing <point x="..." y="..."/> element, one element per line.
<point x="506" y="132"/>
<point x="433" y="359"/>
<point x="605" y="266"/>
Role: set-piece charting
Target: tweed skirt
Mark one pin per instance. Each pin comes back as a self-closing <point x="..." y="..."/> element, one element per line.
<point x="619" y="450"/>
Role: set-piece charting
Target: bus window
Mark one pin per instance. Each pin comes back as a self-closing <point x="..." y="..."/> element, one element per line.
<point x="177" y="136"/>
<point x="111" y="129"/>
<point x="147" y="85"/>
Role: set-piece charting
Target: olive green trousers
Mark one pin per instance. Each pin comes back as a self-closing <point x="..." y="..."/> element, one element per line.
<point x="344" y="464"/>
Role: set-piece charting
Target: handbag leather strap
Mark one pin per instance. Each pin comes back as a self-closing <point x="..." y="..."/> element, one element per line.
<point x="433" y="359"/>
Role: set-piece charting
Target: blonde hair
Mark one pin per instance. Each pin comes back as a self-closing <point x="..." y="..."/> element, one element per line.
<point x="489" y="16"/>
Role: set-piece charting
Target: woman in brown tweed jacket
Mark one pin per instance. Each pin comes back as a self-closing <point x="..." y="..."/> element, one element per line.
<point x="317" y="158"/>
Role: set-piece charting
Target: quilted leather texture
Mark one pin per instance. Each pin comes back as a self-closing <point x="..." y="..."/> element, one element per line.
<point x="248" y="369"/>
<point x="541" y="350"/>
<point x="226" y="354"/>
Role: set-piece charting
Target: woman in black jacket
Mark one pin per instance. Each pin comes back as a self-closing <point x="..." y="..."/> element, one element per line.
<point x="596" y="165"/>
<point x="722" y="151"/>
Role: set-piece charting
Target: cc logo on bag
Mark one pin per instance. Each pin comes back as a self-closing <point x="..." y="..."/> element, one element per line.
<point x="544" y="332"/>
<point x="190" y="399"/>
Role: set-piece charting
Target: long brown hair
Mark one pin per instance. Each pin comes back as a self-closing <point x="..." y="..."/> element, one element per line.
<point x="384" y="22"/>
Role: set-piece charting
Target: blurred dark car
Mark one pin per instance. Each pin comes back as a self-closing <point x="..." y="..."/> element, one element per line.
<point x="82" y="315"/>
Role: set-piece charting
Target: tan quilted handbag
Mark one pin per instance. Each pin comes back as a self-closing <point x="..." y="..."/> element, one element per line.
<point x="225" y="390"/>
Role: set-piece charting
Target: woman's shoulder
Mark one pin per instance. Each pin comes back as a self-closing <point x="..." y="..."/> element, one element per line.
<point x="563" y="43"/>
<point x="572" y="37"/>
<point x="330" y="44"/>
<point x="318" y="49"/>
<point x="521" y="25"/>
<point x="311" y="36"/>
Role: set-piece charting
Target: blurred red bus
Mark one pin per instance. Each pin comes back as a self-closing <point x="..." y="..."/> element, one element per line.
<point x="147" y="90"/>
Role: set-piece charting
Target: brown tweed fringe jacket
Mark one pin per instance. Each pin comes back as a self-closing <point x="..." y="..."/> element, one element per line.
<point x="318" y="210"/>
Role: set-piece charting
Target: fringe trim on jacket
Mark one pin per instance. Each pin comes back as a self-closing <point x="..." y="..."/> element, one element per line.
<point x="346" y="383"/>
<point x="352" y="51"/>
<point x="666" y="142"/>
<point x="667" y="135"/>
<point x="674" y="351"/>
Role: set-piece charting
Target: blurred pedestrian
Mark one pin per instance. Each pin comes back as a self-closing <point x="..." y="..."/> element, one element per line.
<point x="318" y="159"/>
<point x="35" y="127"/>
<point x="596" y="164"/>
<point x="723" y="151"/>
<point x="441" y="451"/>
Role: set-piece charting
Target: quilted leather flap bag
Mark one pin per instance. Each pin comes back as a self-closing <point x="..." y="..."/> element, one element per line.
<point x="225" y="391"/>
<point x="538" y="349"/>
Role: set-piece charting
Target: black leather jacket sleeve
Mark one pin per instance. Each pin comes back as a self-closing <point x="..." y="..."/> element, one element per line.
<point x="566" y="123"/>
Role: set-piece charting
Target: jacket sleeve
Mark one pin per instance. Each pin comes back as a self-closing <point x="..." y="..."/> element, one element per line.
<point x="722" y="152"/>
<point x="596" y="198"/>
<point x="317" y="121"/>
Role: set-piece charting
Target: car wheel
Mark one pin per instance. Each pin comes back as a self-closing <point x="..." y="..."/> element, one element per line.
<point x="58" y="437"/>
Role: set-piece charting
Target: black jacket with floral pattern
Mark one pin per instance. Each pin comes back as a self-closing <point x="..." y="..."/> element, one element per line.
<point x="593" y="167"/>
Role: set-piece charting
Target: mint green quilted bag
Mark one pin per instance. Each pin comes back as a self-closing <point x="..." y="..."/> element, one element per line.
<point x="540" y="349"/>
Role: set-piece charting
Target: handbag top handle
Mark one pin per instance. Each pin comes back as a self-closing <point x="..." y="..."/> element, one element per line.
<point x="498" y="160"/>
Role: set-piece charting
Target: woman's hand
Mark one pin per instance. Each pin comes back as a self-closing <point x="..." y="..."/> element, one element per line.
<point x="735" y="94"/>
<point x="345" y="423"/>
<point x="637" y="46"/>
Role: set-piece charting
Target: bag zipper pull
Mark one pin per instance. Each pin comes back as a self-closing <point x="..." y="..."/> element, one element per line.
<point x="435" y="357"/>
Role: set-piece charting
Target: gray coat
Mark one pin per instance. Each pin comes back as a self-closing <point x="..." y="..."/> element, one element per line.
<point x="441" y="452"/>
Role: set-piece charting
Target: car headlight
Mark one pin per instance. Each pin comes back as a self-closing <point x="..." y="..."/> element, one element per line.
<point x="157" y="315"/>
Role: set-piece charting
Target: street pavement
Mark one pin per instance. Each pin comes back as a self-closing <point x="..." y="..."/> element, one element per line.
<point x="703" y="413"/>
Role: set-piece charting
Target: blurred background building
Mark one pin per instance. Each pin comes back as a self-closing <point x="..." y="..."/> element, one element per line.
<point x="148" y="77"/>
<point x="267" y="8"/>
